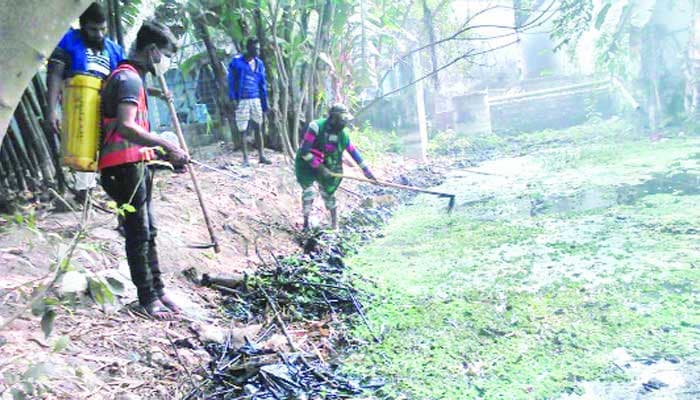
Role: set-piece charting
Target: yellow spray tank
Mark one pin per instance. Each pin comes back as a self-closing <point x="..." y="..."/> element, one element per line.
<point x="81" y="122"/>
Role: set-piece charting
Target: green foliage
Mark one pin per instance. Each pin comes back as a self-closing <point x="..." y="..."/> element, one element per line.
<point x="600" y="19"/>
<point x="61" y="344"/>
<point x="448" y="142"/>
<point x="572" y="20"/>
<point x="27" y="219"/>
<point x="102" y="291"/>
<point x="120" y="209"/>
<point x="130" y="12"/>
<point x="29" y="384"/>
<point x="373" y="143"/>
<point x="47" y="321"/>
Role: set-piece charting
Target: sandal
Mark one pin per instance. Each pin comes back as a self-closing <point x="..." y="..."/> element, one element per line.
<point x="170" y="304"/>
<point x="157" y="311"/>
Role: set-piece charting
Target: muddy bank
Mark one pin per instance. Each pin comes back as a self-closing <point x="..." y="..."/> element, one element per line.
<point x="305" y="305"/>
<point x="107" y="351"/>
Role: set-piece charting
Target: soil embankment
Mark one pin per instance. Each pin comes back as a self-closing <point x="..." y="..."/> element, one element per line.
<point x="109" y="351"/>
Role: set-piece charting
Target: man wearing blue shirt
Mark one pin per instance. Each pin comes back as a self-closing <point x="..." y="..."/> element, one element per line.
<point x="248" y="91"/>
<point x="81" y="51"/>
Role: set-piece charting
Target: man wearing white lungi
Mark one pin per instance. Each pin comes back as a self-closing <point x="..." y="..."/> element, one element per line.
<point x="248" y="91"/>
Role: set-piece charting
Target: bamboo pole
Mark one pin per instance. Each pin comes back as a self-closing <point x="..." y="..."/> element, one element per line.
<point x="33" y="101"/>
<point x="50" y="136"/>
<point x="27" y="159"/>
<point x="111" y="29"/>
<point x="40" y="92"/>
<point x="30" y="173"/>
<point x="40" y="139"/>
<point x="3" y="174"/>
<point x="43" y="148"/>
<point x="183" y="144"/>
<point x="35" y="143"/>
<point x="14" y="162"/>
<point x="17" y="123"/>
<point x="12" y="183"/>
<point x="391" y="184"/>
<point x="22" y="153"/>
<point x="4" y="184"/>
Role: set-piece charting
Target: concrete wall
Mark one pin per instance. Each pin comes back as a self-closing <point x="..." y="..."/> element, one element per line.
<point x="550" y="110"/>
<point x="537" y="104"/>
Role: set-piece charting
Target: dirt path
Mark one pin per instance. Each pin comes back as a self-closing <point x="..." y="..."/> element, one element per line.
<point x="571" y="272"/>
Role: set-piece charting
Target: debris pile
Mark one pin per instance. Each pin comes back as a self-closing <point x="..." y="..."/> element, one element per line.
<point x="251" y="372"/>
<point x="311" y="292"/>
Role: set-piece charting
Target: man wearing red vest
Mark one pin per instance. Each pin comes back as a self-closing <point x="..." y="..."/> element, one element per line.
<point x="126" y="144"/>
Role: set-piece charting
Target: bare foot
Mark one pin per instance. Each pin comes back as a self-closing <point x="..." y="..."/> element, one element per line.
<point x="170" y="303"/>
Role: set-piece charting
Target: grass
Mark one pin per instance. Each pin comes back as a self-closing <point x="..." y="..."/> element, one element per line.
<point x="516" y="307"/>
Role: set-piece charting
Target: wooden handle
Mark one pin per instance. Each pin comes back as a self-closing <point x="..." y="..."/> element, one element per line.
<point x="181" y="138"/>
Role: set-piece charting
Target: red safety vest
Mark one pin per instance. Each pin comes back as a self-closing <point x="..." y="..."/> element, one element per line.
<point x="116" y="150"/>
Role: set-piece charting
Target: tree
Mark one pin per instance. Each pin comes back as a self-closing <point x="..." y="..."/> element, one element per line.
<point x="30" y="30"/>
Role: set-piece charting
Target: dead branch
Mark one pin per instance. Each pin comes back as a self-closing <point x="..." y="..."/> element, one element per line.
<point x="535" y="23"/>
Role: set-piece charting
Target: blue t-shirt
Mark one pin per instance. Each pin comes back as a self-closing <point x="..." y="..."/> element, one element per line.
<point x="245" y="82"/>
<point x="78" y="58"/>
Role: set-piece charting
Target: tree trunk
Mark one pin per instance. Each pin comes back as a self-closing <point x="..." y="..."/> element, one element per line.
<point x="283" y="78"/>
<point x="111" y="28"/>
<point x="692" y="70"/>
<point x="265" y="56"/>
<point x="521" y="14"/>
<point x="650" y="75"/>
<point x="30" y="33"/>
<point x="118" y="23"/>
<point x="308" y="75"/>
<point x="430" y="30"/>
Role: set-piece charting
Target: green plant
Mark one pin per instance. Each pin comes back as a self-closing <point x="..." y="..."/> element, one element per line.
<point x="373" y="143"/>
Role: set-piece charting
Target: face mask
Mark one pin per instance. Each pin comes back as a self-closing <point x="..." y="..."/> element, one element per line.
<point x="163" y="66"/>
<point x="160" y="64"/>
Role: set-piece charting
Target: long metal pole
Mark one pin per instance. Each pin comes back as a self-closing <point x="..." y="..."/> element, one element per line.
<point x="181" y="138"/>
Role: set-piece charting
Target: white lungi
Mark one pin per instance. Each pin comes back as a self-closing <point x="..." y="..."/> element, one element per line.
<point x="246" y="111"/>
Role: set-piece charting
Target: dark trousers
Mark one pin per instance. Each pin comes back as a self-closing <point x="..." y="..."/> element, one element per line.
<point x="132" y="183"/>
